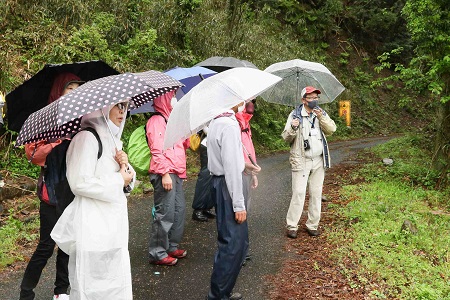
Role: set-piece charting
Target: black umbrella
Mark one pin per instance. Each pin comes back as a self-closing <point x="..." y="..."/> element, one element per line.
<point x="220" y="63"/>
<point x="32" y="95"/>
<point x="63" y="117"/>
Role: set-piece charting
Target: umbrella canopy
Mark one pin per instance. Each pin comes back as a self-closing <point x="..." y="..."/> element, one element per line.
<point x="213" y="96"/>
<point x="63" y="116"/>
<point x="189" y="77"/>
<point x="33" y="94"/>
<point x="220" y="63"/>
<point x="298" y="74"/>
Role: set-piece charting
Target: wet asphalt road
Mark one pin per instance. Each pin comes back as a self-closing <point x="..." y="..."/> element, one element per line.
<point x="189" y="279"/>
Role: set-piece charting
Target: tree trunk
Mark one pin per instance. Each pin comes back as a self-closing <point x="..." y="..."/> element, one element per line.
<point x="441" y="161"/>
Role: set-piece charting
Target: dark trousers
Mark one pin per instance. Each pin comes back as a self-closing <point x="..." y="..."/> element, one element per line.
<point x="44" y="250"/>
<point x="202" y="197"/>
<point x="232" y="240"/>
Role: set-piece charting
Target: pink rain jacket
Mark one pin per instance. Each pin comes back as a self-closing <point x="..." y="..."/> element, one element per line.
<point x="172" y="160"/>
<point x="246" y="135"/>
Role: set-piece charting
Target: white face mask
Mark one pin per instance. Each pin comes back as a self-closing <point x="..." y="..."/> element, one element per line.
<point x="241" y="108"/>
<point x="114" y="128"/>
<point x="173" y="102"/>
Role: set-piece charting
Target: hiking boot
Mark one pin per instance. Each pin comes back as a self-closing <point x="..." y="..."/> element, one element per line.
<point x="179" y="253"/>
<point x="292" y="234"/>
<point x="61" y="297"/>
<point x="166" y="261"/>
<point x="313" y="232"/>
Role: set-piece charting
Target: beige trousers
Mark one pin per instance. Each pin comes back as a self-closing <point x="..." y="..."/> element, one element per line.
<point x="311" y="176"/>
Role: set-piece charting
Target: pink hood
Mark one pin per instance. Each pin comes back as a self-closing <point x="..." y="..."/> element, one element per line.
<point x="172" y="160"/>
<point x="243" y="119"/>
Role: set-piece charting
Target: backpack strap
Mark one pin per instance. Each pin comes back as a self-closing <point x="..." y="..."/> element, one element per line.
<point x="157" y="113"/>
<point x="100" y="146"/>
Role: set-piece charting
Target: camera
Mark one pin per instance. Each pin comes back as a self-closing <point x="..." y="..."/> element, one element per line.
<point x="306" y="144"/>
<point x="127" y="189"/>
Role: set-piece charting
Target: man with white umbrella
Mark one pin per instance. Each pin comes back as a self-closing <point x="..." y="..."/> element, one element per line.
<point x="226" y="164"/>
<point x="215" y="101"/>
<point x="305" y="130"/>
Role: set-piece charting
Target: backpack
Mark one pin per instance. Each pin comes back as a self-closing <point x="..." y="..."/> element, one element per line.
<point x="138" y="150"/>
<point x="196" y="139"/>
<point x="54" y="173"/>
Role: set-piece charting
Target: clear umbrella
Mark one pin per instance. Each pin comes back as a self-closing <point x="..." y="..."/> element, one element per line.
<point x="298" y="74"/>
<point x="213" y="96"/>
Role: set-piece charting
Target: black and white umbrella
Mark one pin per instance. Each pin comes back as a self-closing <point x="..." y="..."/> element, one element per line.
<point x="63" y="116"/>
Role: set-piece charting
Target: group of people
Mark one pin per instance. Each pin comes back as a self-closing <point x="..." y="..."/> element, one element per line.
<point x="92" y="232"/>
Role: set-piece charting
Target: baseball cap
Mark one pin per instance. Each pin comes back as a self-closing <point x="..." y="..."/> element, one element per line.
<point x="309" y="90"/>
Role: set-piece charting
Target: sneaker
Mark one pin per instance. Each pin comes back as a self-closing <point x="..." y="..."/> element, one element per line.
<point x="61" y="297"/>
<point x="179" y="253"/>
<point x="166" y="261"/>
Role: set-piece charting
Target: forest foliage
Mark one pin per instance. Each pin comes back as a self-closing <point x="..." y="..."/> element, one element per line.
<point x="349" y="37"/>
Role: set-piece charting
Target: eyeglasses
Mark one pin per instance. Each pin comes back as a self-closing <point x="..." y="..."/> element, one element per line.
<point x="121" y="105"/>
<point x="312" y="99"/>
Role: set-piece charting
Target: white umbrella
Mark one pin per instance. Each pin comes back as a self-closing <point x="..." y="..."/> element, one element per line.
<point x="213" y="96"/>
<point x="298" y="74"/>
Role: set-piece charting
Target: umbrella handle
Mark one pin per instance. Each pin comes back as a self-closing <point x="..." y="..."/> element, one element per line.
<point x="109" y="129"/>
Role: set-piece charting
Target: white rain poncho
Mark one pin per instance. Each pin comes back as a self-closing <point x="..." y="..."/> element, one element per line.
<point x="93" y="229"/>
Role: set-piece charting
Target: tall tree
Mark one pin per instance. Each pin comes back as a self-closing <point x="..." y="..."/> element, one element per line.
<point x="428" y="22"/>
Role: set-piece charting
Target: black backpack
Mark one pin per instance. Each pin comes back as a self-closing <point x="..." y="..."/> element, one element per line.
<point x="54" y="174"/>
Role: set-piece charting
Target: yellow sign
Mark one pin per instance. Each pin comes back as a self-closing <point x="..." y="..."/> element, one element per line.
<point x="2" y="102"/>
<point x="344" y="111"/>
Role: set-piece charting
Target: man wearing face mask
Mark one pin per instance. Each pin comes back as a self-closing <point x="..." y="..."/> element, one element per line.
<point x="306" y="128"/>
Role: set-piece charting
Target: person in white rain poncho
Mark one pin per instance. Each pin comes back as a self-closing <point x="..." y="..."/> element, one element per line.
<point x="93" y="229"/>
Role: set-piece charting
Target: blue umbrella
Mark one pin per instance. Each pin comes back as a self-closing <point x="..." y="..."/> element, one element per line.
<point x="190" y="77"/>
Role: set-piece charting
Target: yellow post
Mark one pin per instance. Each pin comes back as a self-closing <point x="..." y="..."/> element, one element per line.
<point x="344" y="111"/>
<point x="2" y="102"/>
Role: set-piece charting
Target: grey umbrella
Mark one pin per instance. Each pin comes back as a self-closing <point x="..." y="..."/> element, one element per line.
<point x="63" y="116"/>
<point x="220" y="63"/>
<point x="298" y="74"/>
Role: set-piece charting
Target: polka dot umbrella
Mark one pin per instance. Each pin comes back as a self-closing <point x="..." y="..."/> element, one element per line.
<point x="63" y="116"/>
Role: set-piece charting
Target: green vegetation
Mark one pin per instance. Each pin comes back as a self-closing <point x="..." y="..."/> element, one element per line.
<point x="12" y="233"/>
<point x="392" y="57"/>
<point x="411" y="263"/>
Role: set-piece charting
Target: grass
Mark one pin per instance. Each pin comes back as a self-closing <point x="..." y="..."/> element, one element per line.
<point x="13" y="233"/>
<point x="396" y="262"/>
